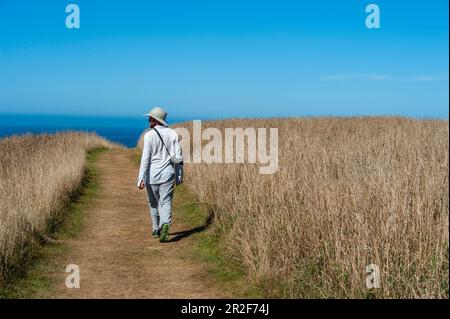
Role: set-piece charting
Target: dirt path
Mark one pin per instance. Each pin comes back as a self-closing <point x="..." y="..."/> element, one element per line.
<point x="115" y="252"/>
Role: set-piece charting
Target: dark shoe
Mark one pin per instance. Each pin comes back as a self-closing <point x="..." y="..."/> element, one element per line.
<point x="155" y="234"/>
<point x="164" y="236"/>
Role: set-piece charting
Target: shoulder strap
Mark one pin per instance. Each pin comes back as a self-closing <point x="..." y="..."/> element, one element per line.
<point x="162" y="141"/>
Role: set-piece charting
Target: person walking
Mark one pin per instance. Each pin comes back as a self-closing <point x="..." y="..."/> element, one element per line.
<point x="157" y="173"/>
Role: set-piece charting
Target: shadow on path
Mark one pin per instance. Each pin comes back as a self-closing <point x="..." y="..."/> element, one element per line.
<point x="186" y="233"/>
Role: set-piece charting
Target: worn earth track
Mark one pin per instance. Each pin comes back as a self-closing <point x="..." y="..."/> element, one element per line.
<point x="115" y="252"/>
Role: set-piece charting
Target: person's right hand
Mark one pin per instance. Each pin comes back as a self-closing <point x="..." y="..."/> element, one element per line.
<point x="141" y="185"/>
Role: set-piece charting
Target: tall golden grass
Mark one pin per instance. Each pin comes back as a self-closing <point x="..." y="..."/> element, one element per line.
<point x="38" y="173"/>
<point x="349" y="192"/>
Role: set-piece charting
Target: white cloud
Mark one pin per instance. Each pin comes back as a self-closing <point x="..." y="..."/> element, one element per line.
<point x="356" y="76"/>
<point x="424" y="78"/>
<point x="381" y="77"/>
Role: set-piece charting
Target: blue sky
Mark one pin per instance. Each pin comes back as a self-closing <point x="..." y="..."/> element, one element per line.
<point x="214" y="59"/>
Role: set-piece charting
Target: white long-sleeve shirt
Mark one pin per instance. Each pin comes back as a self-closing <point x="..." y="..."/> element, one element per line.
<point x="156" y="167"/>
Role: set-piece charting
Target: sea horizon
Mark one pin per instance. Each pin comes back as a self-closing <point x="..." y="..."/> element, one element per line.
<point x="125" y="130"/>
<point x="121" y="129"/>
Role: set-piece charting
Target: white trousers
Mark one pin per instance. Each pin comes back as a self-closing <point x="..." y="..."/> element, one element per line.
<point x="160" y="198"/>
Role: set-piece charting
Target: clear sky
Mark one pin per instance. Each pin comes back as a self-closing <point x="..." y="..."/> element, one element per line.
<point x="224" y="58"/>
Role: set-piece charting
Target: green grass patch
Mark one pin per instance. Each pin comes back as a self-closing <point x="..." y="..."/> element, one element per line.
<point x="29" y="279"/>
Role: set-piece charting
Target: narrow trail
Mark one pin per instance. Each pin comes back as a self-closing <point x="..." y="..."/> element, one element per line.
<point x="115" y="252"/>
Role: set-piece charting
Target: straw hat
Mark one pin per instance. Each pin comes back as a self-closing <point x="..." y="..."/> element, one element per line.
<point x="158" y="114"/>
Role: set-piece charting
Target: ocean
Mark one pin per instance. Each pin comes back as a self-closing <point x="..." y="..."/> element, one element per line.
<point x="124" y="130"/>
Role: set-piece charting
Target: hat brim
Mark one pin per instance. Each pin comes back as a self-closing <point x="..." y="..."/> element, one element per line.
<point x="159" y="120"/>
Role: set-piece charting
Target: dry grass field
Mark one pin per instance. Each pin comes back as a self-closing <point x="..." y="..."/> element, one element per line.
<point x="349" y="192"/>
<point x="38" y="174"/>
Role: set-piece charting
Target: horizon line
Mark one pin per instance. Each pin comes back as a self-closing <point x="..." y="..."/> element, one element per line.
<point x="231" y="117"/>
